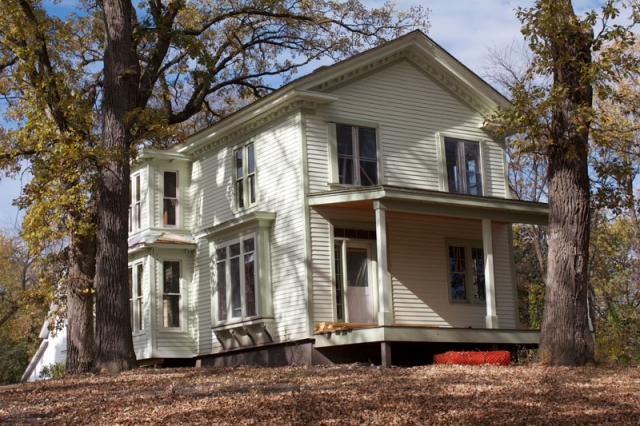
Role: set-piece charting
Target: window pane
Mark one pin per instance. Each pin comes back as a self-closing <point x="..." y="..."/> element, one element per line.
<point x="138" y="188"/>
<point x="252" y="188"/>
<point x="248" y="245"/>
<point x="240" y="193"/>
<point x="250" y="284"/>
<point x="130" y="283"/>
<point x="456" y="259"/>
<point x="458" y="291"/>
<point x="251" y="166"/>
<point x="451" y="153"/>
<point x="170" y="184"/>
<point x="357" y="271"/>
<point x="171" y="305"/>
<point x="169" y="212"/>
<point x="367" y="143"/>
<point x="221" y="253"/>
<point x="139" y="280"/>
<point x="139" y="316"/>
<point x="236" y="296"/>
<point x="221" y="278"/>
<point x="345" y="170"/>
<point x="239" y="171"/>
<point x="338" y="282"/>
<point x="344" y="139"/>
<point x="234" y="250"/>
<point x="368" y="173"/>
<point x="172" y="277"/>
<point x="479" y="292"/>
<point x="472" y="164"/>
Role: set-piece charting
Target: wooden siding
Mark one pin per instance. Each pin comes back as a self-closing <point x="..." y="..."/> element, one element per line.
<point x="279" y="189"/>
<point x="411" y="110"/>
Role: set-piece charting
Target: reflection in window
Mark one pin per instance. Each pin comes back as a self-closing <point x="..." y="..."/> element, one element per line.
<point x="463" y="166"/>
<point x="466" y="273"/>
<point x="170" y="200"/>
<point x="171" y="296"/>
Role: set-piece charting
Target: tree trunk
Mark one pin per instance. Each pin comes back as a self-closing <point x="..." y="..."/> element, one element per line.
<point x="565" y="337"/>
<point x="80" y="335"/>
<point x="114" y="344"/>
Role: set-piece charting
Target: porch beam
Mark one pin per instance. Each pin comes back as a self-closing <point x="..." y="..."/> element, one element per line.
<point x="491" y="320"/>
<point x="385" y="316"/>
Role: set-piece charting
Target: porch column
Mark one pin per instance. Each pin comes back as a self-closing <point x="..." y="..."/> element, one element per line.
<point x="491" y="320"/>
<point x="384" y="283"/>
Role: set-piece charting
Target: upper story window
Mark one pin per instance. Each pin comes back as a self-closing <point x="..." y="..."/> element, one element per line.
<point x="236" y="279"/>
<point x="464" y="175"/>
<point x="356" y="155"/>
<point x="170" y="199"/>
<point x="135" y="297"/>
<point x="466" y="272"/>
<point x="245" y="176"/>
<point x="135" y="201"/>
<point x="171" y="294"/>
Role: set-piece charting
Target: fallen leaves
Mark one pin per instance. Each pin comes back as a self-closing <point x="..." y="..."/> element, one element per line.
<point x="345" y="394"/>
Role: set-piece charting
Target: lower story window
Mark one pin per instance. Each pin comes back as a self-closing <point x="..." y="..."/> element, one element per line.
<point x="236" y="279"/>
<point x="466" y="273"/>
<point x="171" y="294"/>
<point x="135" y="297"/>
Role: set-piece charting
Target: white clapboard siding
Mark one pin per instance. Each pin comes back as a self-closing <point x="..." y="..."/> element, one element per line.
<point x="279" y="189"/>
<point x="418" y="267"/>
<point x="506" y="297"/>
<point x="410" y="109"/>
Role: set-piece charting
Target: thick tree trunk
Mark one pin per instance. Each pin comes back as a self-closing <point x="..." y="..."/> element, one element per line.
<point x="114" y="344"/>
<point x="80" y="335"/>
<point x="565" y="337"/>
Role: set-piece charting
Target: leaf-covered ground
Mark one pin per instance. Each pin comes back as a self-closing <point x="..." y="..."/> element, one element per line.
<point x="347" y="394"/>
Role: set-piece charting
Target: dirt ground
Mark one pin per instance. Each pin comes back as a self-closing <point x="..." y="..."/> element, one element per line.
<point x="340" y="395"/>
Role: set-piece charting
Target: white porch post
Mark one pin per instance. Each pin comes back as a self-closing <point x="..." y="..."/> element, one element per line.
<point x="384" y="283"/>
<point x="491" y="320"/>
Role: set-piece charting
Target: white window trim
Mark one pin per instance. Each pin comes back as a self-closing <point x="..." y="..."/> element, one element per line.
<point x="442" y="160"/>
<point x="137" y="309"/>
<point x="246" y="189"/>
<point x="468" y="281"/>
<point x="228" y="296"/>
<point x="182" y="296"/>
<point x="258" y="224"/>
<point x="177" y="198"/>
<point x="334" y="175"/>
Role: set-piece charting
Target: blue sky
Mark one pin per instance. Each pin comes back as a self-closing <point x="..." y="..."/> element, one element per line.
<point x="465" y="28"/>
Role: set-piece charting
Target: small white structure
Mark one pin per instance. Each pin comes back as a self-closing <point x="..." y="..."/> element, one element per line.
<point x="52" y="350"/>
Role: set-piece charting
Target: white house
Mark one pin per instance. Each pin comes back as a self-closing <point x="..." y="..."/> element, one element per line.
<point x="360" y="212"/>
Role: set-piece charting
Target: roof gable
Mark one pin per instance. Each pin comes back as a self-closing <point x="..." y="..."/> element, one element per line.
<point x="315" y="89"/>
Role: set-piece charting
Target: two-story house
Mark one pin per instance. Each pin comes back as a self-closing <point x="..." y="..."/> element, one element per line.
<point x="361" y="212"/>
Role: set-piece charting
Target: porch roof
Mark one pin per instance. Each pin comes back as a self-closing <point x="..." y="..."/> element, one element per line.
<point x="440" y="203"/>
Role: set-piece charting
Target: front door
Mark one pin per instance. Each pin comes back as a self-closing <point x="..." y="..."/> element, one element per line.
<point x="359" y="283"/>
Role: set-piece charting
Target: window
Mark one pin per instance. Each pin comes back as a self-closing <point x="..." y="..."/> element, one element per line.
<point x="356" y="155"/>
<point x="245" y="176"/>
<point x="235" y="267"/>
<point x="135" y="216"/>
<point x="170" y="200"/>
<point x="171" y="296"/>
<point x="135" y="297"/>
<point x="463" y="166"/>
<point x="466" y="273"/>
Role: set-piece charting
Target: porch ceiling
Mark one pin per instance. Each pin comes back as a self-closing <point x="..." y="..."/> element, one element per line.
<point x="434" y="202"/>
<point x="399" y="333"/>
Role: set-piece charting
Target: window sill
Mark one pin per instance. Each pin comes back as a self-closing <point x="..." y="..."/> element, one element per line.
<point x="242" y="324"/>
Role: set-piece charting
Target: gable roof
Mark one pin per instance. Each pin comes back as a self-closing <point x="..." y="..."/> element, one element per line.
<point x="315" y="88"/>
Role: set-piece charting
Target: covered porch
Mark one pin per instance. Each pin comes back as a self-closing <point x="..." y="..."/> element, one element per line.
<point x="415" y="301"/>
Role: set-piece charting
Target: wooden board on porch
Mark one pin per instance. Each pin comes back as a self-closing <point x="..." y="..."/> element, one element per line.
<point x="331" y="327"/>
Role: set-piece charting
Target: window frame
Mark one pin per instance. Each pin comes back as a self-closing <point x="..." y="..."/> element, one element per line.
<point x="469" y="273"/>
<point x="444" y="174"/>
<point x="174" y="200"/>
<point x="242" y="197"/>
<point x="180" y="295"/>
<point x="334" y="172"/>
<point x="136" y="297"/>
<point x="226" y="245"/>
<point x="135" y="203"/>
